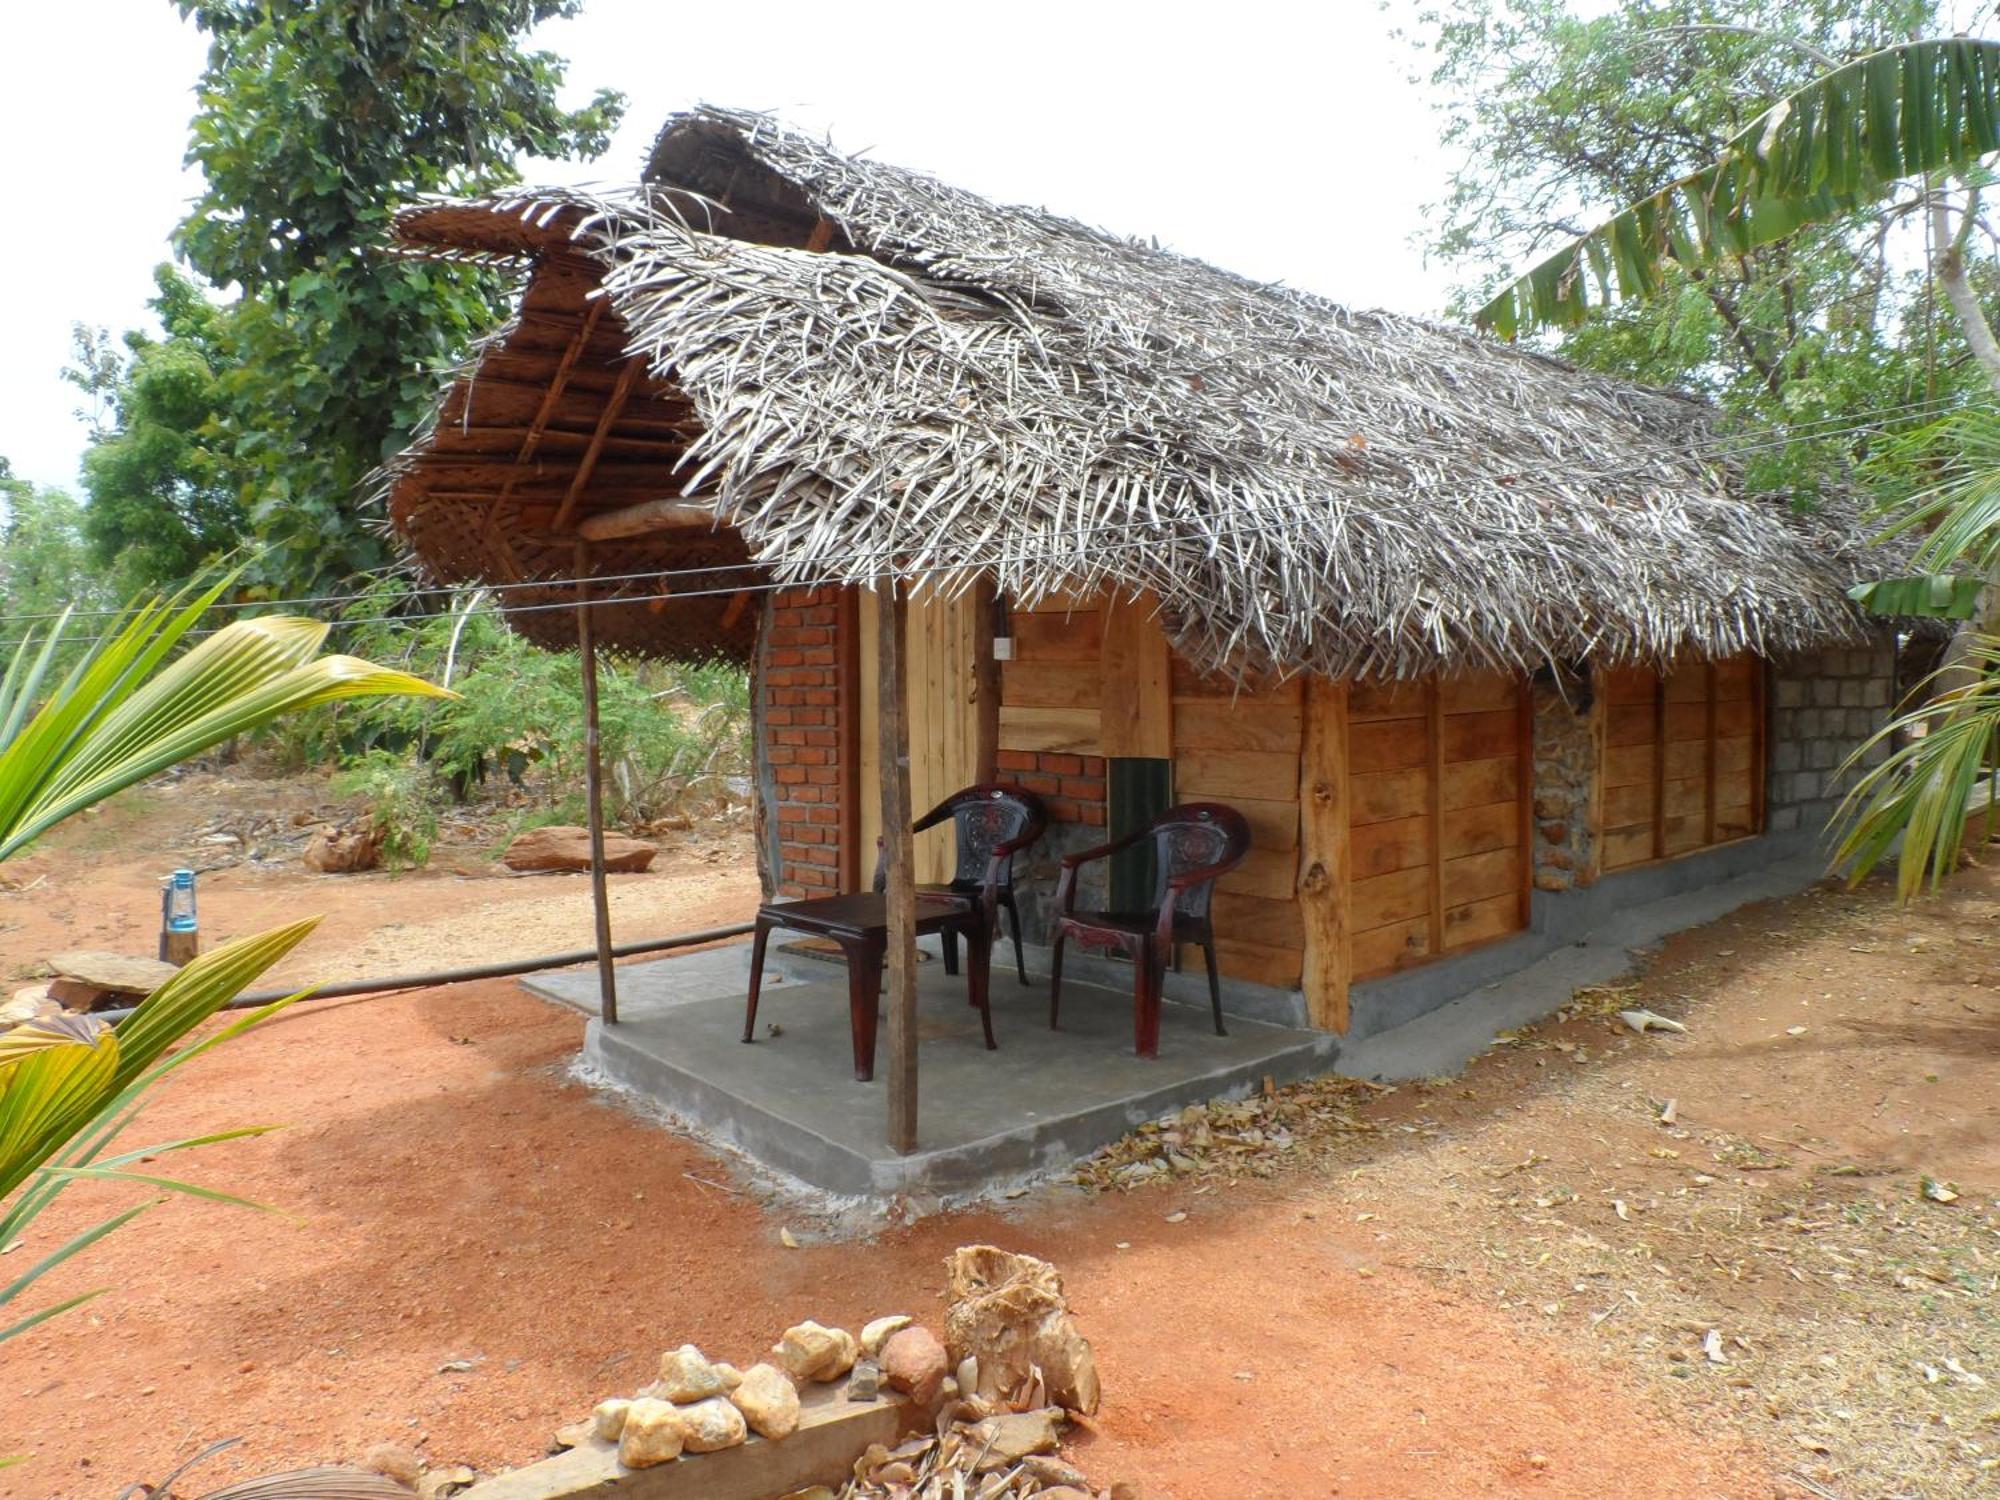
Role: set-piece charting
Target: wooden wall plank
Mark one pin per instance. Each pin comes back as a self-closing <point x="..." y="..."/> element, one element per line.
<point x="1075" y="637"/>
<point x="1039" y="683"/>
<point x="1259" y="964"/>
<point x="1384" y="848"/>
<point x="1379" y="796"/>
<point x="1629" y="765"/>
<point x="1264" y="872"/>
<point x="1136" y="681"/>
<point x="1270" y="775"/>
<point x="1475" y="877"/>
<point x="1260" y="920"/>
<point x="1073" y="730"/>
<point x="1480" y="736"/>
<point x="1476" y="783"/>
<point x="1370" y="701"/>
<point x="1384" y="950"/>
<point x="1480" y="922"/>
<point x="1273" y="825"/>
<point x="1251" y="724"/>
<point x="1474" y="830"/>
<point x="1387" y="745"/>
<point x="1325" y="878"/>
<point x="1382" y="899"/>
<point x="1435" y="733"/>
<point x="1479" y="692"/>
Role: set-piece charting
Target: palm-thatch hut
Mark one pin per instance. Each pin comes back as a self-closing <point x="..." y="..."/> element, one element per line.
<point x="1461" y="628"/>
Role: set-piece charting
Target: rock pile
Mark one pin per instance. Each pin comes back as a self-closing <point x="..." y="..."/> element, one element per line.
<point x="989" y="1400"/>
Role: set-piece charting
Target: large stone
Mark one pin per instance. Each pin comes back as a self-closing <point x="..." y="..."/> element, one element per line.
<point x="1008" y="1312"/>
<point x="685" y="1375"/>
<point x="810" y="1352"/>
<point x="711" y="1425"/>
<point x="769" y="1401"/>
<point x="1008" y="1438"/>
<point x="608" y="1421"/>
<point x="914" y="1362"/>
<point x="877" y="1332"/>
<point x="652" y="1434"/>
<point x="562" y="846"/>
<point x="344" y="851"/>
<point x="113" y="973"/>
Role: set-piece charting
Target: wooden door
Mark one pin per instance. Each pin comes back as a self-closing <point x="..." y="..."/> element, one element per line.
<point x="939" y="680"/>
<point x="1439" y="786"/>
<point x="1683" y="758"/>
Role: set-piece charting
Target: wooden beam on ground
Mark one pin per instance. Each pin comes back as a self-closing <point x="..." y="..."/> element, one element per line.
<point x="593" y="771"/>
<point x="646" y="516"/>
<point x="606" y="420"/>
<point x="1324" y="866"/>
<point x="832" y="1433"/>
<point x="892" y="604"/>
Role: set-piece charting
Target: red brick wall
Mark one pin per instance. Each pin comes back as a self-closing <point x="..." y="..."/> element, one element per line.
<point x="1071" y="786"/>
<point x="800" y="686"/>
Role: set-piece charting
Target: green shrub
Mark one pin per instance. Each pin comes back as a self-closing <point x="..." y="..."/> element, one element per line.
<point x="399" y="798"/>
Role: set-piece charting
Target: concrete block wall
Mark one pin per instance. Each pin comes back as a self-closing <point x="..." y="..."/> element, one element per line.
<point x="1823" y="705"/>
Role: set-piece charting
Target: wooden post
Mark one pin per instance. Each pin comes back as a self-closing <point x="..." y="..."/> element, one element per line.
<point x="892" y="605"/>
<point x="593" y="773"/>
<point x="1323" y="854"/>
<point x="1434" y="809"/>
<point x="985" y="684"/>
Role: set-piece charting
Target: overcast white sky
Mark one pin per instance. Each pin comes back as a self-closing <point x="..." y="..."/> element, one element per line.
<point x="1278" y="140"/>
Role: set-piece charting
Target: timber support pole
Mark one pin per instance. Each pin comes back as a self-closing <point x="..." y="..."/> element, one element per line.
<point x="593" y="772"/>
<point x="892" y="604"/>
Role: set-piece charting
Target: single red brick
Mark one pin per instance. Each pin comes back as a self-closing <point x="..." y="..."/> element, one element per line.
<point x="1093" y="765"/>
<point x="822" y="775"/>
<point x="787" y="813"/>
<point x="1061" y="765"/>
<point x="1062" y="812"/>
<point x="1093" y="814"/>
<point x="1040" y="785"/>
<point x="812" y="755"/>
<point x="777" y="716"/>
<point x="818" y="855"/>
<point x="788" y="736"/>
<point x="808" y="834"/>
<point x="1082" y="788"/>
<point x="824" y="814"/>
<point x="788" y="775"/>
<point x="1015" y="760"/>
<point x="826" y="737"/>
<point x="823" y="697"/>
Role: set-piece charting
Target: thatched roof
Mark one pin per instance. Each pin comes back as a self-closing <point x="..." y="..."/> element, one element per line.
<point x="855" y="369"/>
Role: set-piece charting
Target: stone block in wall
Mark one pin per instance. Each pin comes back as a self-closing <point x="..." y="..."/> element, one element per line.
<point x="1875" y="692"/>
<point x="1822" y="755"/>
<point x="1785" y="755"/>
<point x="1825" y="692"/>
<point x="1860" y="724"/>
<point x="1806" y="786"/>
<point x="1790" y="693"/>
<point x="1850" y="693"/>
<point x="1782" y="819"/>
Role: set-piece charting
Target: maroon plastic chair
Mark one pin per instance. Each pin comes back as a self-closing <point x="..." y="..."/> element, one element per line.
<point x="993" y="822"/>
<point x="1195" y="844"/>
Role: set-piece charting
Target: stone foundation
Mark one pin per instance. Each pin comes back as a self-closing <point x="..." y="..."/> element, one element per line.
<point x="1568" y="752"/>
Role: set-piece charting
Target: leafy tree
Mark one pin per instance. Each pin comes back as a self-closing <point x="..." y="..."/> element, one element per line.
<point x="166" y="494"/>
<point x="45" y="565"/>
<point x="316" y="120"/>
<point x="1795" y="335"/>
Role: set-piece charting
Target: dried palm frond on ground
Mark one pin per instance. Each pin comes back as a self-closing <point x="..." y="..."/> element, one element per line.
<point x="854" y="369"/>
<point x="1258" y="1136"/>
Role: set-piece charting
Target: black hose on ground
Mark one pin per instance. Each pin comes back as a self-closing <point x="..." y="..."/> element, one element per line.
<point x="477" y="971"/>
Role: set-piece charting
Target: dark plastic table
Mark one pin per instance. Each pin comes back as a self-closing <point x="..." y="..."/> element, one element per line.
<point x="860" y="924"/>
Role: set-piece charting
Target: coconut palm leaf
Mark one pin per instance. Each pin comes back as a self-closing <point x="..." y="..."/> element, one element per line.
<point x="1832" y="146"/>
<point x="1917" y="802"/>
<point x="68" y="1088"/>
<point x="1932" y="596"/>
<point x="125" y="711"/>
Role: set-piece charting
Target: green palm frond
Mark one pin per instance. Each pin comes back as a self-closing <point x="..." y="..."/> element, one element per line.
<point x="1917" y="801"/>
<point x="1832" y="146"/>
<point x="125" y="711"/>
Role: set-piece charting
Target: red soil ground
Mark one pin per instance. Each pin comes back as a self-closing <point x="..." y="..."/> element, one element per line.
<point x="454" y="1200"/>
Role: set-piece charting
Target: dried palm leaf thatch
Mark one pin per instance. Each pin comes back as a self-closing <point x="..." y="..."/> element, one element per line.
<point x="860" y="370"/>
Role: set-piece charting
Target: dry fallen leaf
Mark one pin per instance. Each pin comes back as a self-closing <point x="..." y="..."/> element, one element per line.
<point x="789" y="1240"/>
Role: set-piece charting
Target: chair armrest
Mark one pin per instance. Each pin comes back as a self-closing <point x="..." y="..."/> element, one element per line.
<point x="932" y="818"/>
<point x="1085" y="856"/>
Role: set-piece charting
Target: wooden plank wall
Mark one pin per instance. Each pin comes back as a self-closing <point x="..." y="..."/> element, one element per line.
<point x="1683" y="759"/>
<point x="1437" y="797"/>
<point x="1242" y="747"/>
<point x="1052" y="691"/>
<point x="940" y="678"/>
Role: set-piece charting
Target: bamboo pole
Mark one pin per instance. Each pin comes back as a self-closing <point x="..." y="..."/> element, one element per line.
<point x="593" y="772"/>
<point x="892" y="604"/>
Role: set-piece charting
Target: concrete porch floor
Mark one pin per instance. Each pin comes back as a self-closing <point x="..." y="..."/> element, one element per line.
<point x="1043" y="1100"/>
